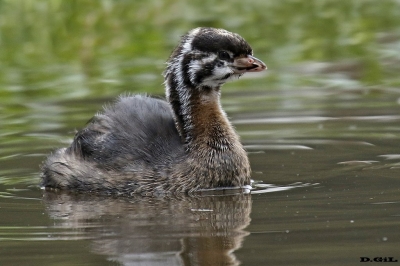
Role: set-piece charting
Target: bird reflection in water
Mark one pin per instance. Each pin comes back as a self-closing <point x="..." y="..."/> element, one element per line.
<point x="203" y="230"/>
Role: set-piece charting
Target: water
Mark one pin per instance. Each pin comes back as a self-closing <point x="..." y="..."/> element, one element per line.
<point x="326" y="193"/>
<point x="321" y="127"/>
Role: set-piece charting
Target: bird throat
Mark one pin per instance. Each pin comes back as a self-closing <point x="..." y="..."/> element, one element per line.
<point x="199" y="117"/>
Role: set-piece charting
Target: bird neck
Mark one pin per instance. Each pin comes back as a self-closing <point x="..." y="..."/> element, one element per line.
<point x="199" y="118"/>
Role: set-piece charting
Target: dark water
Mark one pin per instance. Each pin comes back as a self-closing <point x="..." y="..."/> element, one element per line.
<point x="321" y="127"/>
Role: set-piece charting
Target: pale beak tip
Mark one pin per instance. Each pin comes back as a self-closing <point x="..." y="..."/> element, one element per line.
<point x="248" y="64"/>
<point x="260" y="66"/>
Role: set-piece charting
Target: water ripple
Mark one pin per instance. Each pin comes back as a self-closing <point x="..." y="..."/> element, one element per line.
<point x="260" y="188"/>
<point x="314" y="119"/>
<point x="277" y="147"/>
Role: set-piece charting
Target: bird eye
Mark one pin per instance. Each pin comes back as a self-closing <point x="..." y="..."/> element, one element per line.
<point x="223" y="55"/>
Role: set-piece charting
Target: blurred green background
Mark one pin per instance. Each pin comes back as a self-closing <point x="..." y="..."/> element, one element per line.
<point x="60" y="61"/>
<point x="53" y="49"/>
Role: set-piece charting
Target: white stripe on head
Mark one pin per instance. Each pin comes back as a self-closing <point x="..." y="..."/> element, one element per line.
<point x="197" y="65"/>
<point x="183" y="93"/>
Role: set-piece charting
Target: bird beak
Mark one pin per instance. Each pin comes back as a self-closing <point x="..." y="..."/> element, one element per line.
<point x="247" y="64"/>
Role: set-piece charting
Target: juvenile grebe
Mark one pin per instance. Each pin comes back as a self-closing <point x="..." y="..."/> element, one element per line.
<point x="150" y="146"/>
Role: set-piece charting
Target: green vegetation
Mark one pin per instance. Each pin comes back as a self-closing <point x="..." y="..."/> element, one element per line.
<point x="76" y="48"/>
<point x="61" y="60"/>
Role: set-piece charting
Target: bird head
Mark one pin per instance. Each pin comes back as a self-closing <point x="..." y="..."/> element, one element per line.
<point x="209" y="57"/>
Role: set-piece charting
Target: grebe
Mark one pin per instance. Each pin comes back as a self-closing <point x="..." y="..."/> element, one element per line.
<point x="148" y="146"/>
